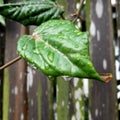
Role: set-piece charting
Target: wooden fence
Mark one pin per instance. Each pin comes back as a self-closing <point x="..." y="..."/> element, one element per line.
<point x="27" y="94"/>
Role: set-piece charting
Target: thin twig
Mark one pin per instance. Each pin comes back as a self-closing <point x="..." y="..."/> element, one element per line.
<point x="10" y="63"/>
<point x="79" y="10"/>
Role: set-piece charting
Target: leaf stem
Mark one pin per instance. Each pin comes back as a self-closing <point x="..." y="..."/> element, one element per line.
<point x="10" y="63"/>
<point x="78" y="12"/>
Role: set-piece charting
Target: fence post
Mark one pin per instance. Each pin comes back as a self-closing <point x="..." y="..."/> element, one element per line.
<point x="70" y="96"/>
<point x="118" y="46"/>
<point x="103" y="101"/>
<point x="14" y="77"/>
<point x="2" y="45"/>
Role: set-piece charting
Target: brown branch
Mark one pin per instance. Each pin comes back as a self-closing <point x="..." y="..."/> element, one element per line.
<point x="23" y="31"/>
<point x="78" y="12"/>
<point x="10" y="63"/>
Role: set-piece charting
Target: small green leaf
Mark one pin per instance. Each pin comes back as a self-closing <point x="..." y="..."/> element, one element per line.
<point x="57" y="48"/>
<point x="31" y="12"/>
<point x="2" y="21"/>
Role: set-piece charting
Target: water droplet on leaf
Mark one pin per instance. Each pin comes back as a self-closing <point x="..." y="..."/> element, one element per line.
<point x="24" y="47"/>
<point x="76" y="46"/>
<point x="77" y="57"/>
<point x="36" y="51"/>
<point x="51" y="56"/>
<point x="46" y="66"/>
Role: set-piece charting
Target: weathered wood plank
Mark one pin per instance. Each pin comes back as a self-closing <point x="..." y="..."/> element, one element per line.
<point x="78" y="98"/>
<point x="40" y="96"/>
<point x="15" y="74"/>
<point x="2" y="45"/>
<point x="102" y="96"/>
<point x="118" y="46"/>
<point x="62" y="85"/>
<point x="62" y="99"/>
<point x="70" y="99"/>
<point x="32" y="102"/>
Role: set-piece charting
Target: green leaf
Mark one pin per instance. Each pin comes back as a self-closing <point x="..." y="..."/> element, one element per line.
<point x="31" y="12"/>
<point x="2" y="21"/>
<point x="57" y="48"/>
<point x="1" y="1"/>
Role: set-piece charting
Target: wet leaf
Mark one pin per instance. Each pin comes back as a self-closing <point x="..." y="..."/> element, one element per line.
<point x="31" y="12"/>
<point x="57" y="48"/>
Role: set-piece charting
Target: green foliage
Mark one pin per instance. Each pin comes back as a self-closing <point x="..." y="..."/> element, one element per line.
<point x="57" y="48"/>
<point x="2" y="21"/>
<point x="31" y="12"/>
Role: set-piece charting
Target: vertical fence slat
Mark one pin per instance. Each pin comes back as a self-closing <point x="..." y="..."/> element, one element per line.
<point x="32" y="103"/>
<point x="62" y="99"/>
<point x="40" y="96"/>
<point x="118" y="45"/>
<point x="70" y="99"/>
<point x="78" y="99"/>
<point x="102" y="96"/>
<point x="5" y="95"/>
<point x="62" y="85"/>
<point x="15" y="75"/>
<point x="2" y="45"/>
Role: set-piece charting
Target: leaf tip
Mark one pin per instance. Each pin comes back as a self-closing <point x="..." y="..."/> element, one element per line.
<point x="106" y="77"/>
